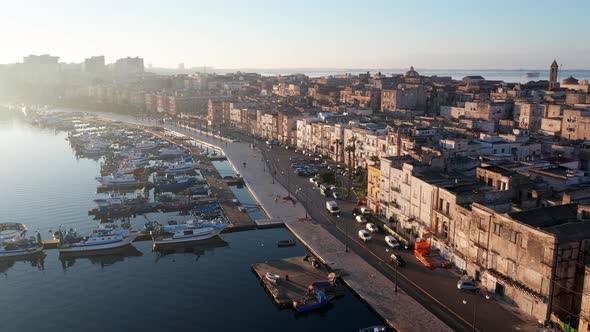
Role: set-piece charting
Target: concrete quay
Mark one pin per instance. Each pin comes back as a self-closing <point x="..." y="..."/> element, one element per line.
<point x="398" y="309"/>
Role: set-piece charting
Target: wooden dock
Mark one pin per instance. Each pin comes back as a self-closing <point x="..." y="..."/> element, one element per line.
<point x="301" y="276"/>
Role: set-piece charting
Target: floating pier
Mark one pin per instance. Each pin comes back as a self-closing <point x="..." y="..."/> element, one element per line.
<point x="301" y="275"/>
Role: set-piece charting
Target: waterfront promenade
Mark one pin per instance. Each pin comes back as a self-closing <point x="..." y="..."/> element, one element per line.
<point x="398" y="309"/>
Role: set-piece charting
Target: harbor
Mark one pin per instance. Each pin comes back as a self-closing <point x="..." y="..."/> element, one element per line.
<point x="163" y="286"/>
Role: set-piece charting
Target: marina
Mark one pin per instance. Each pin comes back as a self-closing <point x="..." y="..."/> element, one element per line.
<point x="137" y="272"/>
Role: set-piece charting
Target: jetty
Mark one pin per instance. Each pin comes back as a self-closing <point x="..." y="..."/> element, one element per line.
<point x="301" y="275"/>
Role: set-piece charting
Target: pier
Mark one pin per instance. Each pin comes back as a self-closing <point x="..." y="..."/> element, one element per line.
<point x="301" y="275"/>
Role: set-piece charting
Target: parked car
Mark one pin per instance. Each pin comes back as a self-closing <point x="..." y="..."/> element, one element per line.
<point x="364" y="235"/>
<point x="392" y="242"/>
<point x="467" y="285"/>
<point x="360" y="219"/>
<point x="336" y="195"/>
<point x="372" y="228"/>
<point x="366" y="211"/>
<point x="398" y="260"/>
<point x="356" y="211"/>
<point x="325" y="192"/>
<point x="295" y="165"/>
<point x="314" y="180"/>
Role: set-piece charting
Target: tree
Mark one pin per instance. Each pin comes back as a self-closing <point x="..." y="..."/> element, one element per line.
<point x="375" y="159"/>
<point x="328" y="177"/>
<point x="337" y="142"/>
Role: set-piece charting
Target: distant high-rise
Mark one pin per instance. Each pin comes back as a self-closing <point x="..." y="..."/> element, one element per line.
<point x="128" y="65"/>
<point x="553" y="75"/>
<point x="94" y="64"/>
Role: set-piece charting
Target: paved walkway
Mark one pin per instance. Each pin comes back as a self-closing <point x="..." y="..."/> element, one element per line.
<point x="399" y="310"/>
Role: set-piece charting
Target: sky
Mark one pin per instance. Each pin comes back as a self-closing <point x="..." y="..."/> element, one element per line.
<point x="428" y="34"/>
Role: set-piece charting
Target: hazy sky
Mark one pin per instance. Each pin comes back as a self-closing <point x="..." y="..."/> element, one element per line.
<point x="431" y="34"/>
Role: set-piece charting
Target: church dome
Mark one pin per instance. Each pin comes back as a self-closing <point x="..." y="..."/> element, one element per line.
<point x="412" y="73"/>
<point x="569" y="81"/>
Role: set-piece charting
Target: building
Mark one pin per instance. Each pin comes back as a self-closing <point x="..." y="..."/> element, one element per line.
<point x="403" y="99"/>
<point x="95" y="64"/>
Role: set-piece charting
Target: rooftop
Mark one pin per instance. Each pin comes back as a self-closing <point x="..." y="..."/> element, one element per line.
<point x="547" y="217"/>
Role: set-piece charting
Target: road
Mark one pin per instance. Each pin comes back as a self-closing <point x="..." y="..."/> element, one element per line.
<point x="435" y="289"/>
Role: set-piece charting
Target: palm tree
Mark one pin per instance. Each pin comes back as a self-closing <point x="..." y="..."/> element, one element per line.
<point x="350" y="150"/>
<point x="353" y="140"/>
<point x="337" y="142"/>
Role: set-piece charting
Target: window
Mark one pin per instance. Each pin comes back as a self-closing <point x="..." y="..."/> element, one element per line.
<point x="497" y="229"/>
<point x="511" y="269"/>
<point x="445" y="231"/>
<point x="513" y="236"/>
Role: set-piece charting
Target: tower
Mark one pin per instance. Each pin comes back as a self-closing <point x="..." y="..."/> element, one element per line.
<point x="553" y="75"/>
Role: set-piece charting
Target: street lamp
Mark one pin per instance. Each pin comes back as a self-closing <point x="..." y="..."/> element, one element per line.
<point x="296" y="192"/>
<point x="474" y="311"/>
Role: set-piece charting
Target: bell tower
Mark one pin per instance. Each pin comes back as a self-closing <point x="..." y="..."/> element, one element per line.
<point x="553" y="75"/>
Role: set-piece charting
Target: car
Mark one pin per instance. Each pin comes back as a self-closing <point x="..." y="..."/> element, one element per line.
<point x="313" y="180"/>
<point x="366" y="211"/>
<point x="325" y="186"/>
<point x="360" y="219"/>
<point x="295" y="165"/>
<point x="356" y="211"/>
<point x="364" y="235"/>
<point x="336" y="195"/>
<point x="392" y="242"/>
<point x="397" y="260"/>
<point x="372" y="228"/>
<point x="467" y="285"/>
<point x="323" y="165"/>
<point x="325" y="192"/>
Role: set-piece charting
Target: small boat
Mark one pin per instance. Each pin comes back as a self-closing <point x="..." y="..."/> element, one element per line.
<point x="312" y="303"/>
<point x="192" y="231"/>
<point x="146" y="146"/>
<point x="117" y="180"/>
<point x="180" y="167"/>
<point x="377" y="328"/>
<point x="107" y="236"/>
<point x="286" y="243"/>
<point x="176" y="183"/>
<point x="15" y="243"/>
<point x="272" y="277"/>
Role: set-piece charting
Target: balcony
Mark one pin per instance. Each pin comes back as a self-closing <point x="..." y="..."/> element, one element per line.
<point x="396" y="189"/>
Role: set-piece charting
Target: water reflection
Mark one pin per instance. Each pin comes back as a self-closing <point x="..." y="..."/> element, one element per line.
<point x="37" y="260"/>
<point x="103" y="258"/>
<point x="198" y="249"/>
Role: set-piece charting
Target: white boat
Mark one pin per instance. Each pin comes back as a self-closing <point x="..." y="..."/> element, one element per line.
<point x="180" y="167"/>
<point x="169" y="153"/>
<point x="117" y="180"/>
<point x="191" y="231"/>
<point x="146" y="146"/>
<point x="14" y="241"/>
<point x="107" y="236"/>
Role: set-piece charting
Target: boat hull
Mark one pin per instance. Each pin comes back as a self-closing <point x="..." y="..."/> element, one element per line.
<point x="102" y="246"/>
<point x="19" y="252"/>
<point x="187" y="239"/>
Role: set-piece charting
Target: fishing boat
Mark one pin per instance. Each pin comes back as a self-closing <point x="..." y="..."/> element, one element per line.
<point x="175" y="183"/>
<point x="286" y="243"/>
<point x="106" y="236"/>
<point x="180" y="167"/>
<point x="317" y="301"/>
<point x="191" y="231"/>
<point x="14" y="241"/>
<point x="117" y="180"/>
<point x="146" y="146"/>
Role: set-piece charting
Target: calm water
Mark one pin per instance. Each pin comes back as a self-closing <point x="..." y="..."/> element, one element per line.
<point x="208" y="288"/>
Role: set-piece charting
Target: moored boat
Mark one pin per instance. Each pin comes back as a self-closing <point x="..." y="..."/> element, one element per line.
<point x="192" y="231"/>
<point x="118" y="180"/>
<point x="107" y="236"/>
<point x="15" y="243"/>
<point x="318" y="300"/>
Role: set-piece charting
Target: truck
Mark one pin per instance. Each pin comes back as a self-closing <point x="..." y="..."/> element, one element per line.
<point x="429" y="258"/>
<point x="333" y="208"/>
